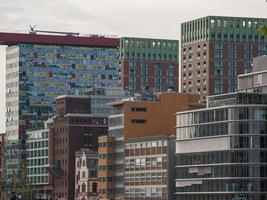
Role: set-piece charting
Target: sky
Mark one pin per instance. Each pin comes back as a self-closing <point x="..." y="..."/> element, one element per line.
<point x="139" y="18"/>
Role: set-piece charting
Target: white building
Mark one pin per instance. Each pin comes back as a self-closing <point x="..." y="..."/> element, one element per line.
<point x="38" y="163"/>
<point x="86" y="178"/>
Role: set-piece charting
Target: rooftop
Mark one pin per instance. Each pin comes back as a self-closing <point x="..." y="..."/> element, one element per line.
<point x="55" y="39"/>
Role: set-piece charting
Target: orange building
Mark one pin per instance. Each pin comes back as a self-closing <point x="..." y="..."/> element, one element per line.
<point x="136" y="118"/>
<point x="106" y="146"/>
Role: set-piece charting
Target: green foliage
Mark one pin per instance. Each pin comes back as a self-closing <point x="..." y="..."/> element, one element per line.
<point x="263" y="29"/>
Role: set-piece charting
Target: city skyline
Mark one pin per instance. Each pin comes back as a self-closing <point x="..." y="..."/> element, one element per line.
<point x="135" y="19"/>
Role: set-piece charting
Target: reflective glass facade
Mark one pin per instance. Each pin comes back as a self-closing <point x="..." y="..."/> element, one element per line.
<point x="221" y="151"/>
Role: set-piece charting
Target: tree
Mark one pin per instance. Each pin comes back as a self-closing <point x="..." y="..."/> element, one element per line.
<point x="263" y="29"/>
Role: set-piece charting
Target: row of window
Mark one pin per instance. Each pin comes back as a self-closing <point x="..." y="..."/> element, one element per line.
<point x="150" y="44"/>
<point x="169" y="81"/>
<point x="148" y="56"/>
<point x="37" y="171"/>
<point x="37" y="162"/>
<point x="222" y="114"/>
<point x="147" y="144"/>
<point x="220" y="157"/>
<point x="37" y="153"/>
<point x="145" y="177"/>
<point x="222" y="171"/>
<point x="222" y="186"/>
<point x="39" y="144"/>
<point x="153" y="192"/>
<point x="137" y="163"/>
<point x="38" y="179"/>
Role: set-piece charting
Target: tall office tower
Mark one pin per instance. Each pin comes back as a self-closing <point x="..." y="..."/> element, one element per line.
<point x="149" y="65"/>
<point x="221" y="150"/>
<point x="215" y="49"/>
<point x="41" y="67"/>
<point x="78" y="122"/>
<point x="135" y="119"/>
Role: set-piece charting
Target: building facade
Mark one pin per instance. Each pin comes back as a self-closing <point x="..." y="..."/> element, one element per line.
<point x="86" y="175"/>
<point x="149" y="65"/>
<point x="138" y="118"/>
<point x="215" y="50"/>
<point x="221" y="150"/>
<point x="255" y="80"/>
<point x="2" y="159"/>
<point x="39" y="157"/>
<point x="148" y="168"/>
<point x="78" y="123"/>
<point x="106" y="179"/>
<point x="41" y="67"/>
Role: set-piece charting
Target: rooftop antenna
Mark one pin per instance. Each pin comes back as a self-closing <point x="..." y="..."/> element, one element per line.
<point x="32" y="28"/>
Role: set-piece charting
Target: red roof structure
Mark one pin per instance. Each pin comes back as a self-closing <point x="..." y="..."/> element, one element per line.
<point x="20" y="38"/>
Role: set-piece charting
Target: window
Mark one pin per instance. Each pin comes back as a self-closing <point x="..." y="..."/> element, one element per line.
<point x="218" y="46"/>
<point x="136" y="109"/>
<point x="232" y="72"/>
<point x="248" y="47"/>
<point x="83" y="188"/>
<point x="218" y="72"/>
<point x="219" y="54"/>
<point x="259" y="79"/>
<point x="212" y="23"/>
<point x="138" y="121"/>
<point x="232" y="55"/>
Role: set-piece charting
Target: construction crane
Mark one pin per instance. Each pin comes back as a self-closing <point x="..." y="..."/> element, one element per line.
<point x="34" y="31"/>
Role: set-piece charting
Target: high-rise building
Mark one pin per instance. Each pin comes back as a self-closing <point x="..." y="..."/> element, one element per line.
<point x="149" y="65"/>
<point x="215" y="49"/>
<point x="39" y="158"/>
<point x="86" y="174"/>
<point x="78" y="122"/>
<point x="221" y="149"/>
<point x="41" y="67"/>
<point x="136" y="118"/>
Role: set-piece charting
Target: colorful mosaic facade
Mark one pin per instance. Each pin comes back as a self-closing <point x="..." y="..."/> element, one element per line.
<point x="36" y="74"/>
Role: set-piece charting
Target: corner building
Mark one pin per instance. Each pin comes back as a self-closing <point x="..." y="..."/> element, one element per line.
<point x="221" y="150"/>
<point x="149" y="65"/>
<point x="215" y="49"/>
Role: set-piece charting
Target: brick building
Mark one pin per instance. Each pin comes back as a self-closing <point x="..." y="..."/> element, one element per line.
<point x="215" y="50"/>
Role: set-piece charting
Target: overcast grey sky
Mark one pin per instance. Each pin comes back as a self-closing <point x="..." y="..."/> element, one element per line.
<point x="140" y="18"/>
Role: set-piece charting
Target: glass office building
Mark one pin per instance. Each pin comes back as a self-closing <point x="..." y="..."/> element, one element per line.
<point x="221" y="150"/>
